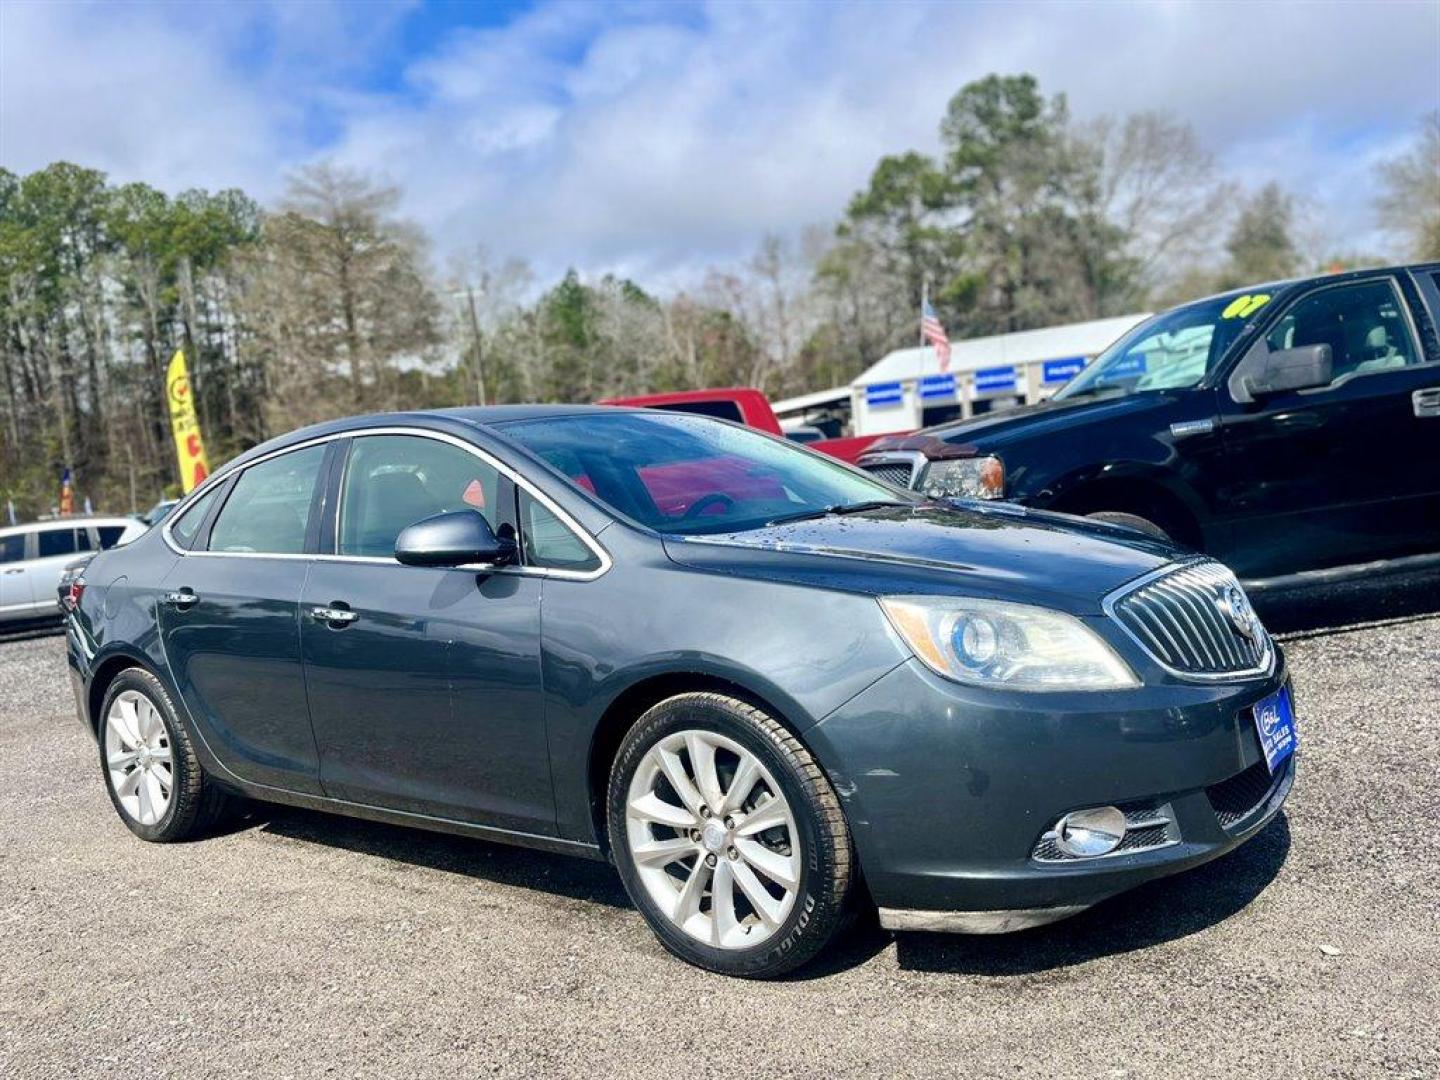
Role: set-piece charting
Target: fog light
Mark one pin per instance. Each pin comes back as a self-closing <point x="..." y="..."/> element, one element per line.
<point x="1088" y="833"/>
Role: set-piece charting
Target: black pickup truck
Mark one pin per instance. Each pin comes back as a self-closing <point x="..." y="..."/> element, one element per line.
<point x="1291" y="430"/>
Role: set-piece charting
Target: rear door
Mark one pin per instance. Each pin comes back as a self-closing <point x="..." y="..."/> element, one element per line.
<point x="424" y="682"/>
<point x="1344" y="473"/>
<point x="16" y="599"/>
<point x="229" y="616"/>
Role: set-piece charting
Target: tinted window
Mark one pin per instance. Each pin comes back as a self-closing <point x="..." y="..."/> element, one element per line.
<point x="269" y="506"/>
<point x="12" y="548"/>
<point x="686" y="474"/>
<point x="1363" y="324"/>
<point x="720" y="410"/>
<point x="59" y="542"/>
<point x="549" y="542"/>
<point x="188" y="524"/>
<point x="392" y="481"/>
<point x="110" y="535"/>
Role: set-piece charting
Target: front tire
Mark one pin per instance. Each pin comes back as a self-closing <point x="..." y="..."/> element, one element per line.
<point x="151" y="772"/>
<point x="728" y="836"/>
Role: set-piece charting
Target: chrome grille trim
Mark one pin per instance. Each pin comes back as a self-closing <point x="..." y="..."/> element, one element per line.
<point x="1175" y="615"/>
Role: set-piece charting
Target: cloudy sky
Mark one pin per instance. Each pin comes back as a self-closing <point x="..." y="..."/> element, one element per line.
<point x="653" y="138"/>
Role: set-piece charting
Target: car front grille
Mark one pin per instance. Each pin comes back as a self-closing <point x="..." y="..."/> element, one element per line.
<point x="1147" y="826"/>
<point x="897" y="473"/>
<point x="1244" y="794"/>
<point x="1183" y="618"/>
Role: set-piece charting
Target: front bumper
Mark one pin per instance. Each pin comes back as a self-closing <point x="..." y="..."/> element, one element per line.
<point x="950" y="791"/>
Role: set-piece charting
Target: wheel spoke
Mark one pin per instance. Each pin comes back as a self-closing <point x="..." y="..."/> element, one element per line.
<point x="663" y="852"/>
<point x="767" y="816"/>
<point x="128" y="722"/>
<point x="702" y="761"/>
<point x="142" y="788"/>
<point x="120" y="761"/>
<point x="778" y="868"/>
<point x="157" y="794"/>
<point x="146" y="719"/>
<point x="765" y="905"/>
<point x="166" y="778"/>
<point x="127" y="787"/>
<point x="741" y="785"/>
<point x="675" y="773"/>
<point x="653" y="808"/>
<point x="722" y="903"/>
<point x="688" y="902"/>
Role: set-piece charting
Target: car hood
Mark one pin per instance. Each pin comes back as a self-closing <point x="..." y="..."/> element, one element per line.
<point x="997" y="550"/>
<point x="994" y="431"/>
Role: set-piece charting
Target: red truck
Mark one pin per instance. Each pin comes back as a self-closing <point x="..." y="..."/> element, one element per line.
<point x="748" y="406"/>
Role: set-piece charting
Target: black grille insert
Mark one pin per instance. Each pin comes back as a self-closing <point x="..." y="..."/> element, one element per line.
<point x="1244" y="794"/>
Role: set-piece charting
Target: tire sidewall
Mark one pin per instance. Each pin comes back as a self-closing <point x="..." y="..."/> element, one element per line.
<point x="142" y="682"/>
<point x="775" y="953"/>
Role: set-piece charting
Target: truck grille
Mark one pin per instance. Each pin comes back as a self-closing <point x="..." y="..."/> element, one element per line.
<point x="892" y="472"/>
<point x="1195" y="621"/>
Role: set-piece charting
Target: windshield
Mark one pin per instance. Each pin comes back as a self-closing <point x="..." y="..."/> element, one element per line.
<point x="1172" y="351"/>
<point x="686" y="474"/>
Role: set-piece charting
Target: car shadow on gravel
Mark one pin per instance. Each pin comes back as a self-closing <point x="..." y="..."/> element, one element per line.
<point x="560" y="875"/>
<point x="1156" y="912"/>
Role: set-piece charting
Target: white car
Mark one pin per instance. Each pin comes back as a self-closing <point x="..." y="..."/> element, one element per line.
<point x="33" y="557"/>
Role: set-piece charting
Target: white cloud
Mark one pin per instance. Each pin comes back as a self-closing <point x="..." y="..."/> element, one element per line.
<point x="652" y="139"/>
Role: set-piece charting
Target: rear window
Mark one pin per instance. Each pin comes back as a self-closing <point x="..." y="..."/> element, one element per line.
<point x="719" y="410"/>
<point x="110" y="535"/>
<point x="188" y="524"/>
<point x="12" y="548"/>
<point x="55" y="542"/>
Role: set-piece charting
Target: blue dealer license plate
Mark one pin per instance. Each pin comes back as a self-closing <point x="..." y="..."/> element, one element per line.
<point x="1275" y="724"/>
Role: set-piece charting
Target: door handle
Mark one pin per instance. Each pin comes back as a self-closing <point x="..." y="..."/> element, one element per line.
<point x="17" y="570"/>
<point x="182" y="599"/>
<point x="1426" y="402"/>
<point x="335" y="616"/>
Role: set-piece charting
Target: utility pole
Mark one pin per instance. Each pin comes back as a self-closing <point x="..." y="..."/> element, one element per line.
<point x="479" y="344"/>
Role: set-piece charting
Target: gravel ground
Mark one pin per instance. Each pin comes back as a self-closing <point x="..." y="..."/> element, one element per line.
<point x="303" y="945"/>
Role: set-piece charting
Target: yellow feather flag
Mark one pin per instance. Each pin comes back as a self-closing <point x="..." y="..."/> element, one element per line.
<point x="184" y="425"/>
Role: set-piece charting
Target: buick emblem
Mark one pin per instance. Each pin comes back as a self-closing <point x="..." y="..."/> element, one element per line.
<point x="1239" y="611"/>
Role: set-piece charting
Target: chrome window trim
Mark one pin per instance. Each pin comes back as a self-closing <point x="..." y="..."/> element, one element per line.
<point x="439" y="436"/>
<point x="1264" y="669"/>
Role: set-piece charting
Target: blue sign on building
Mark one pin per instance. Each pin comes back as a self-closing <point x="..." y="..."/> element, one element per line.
<point x="890" y="393"/>
<point x="1058" y="371"/>
<point x="995" y="379"/>
<point x="937" y="386"/>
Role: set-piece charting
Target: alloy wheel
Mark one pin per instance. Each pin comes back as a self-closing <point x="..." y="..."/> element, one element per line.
<point x="713" y="839"/>
<point x="138" y="757"/>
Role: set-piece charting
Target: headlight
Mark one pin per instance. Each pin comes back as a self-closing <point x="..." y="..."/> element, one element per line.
<point x="992" y="643"/>
<point x="970" y="478"/>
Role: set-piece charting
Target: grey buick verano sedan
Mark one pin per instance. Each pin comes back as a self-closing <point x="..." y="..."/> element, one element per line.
<point x="768" y="687"/>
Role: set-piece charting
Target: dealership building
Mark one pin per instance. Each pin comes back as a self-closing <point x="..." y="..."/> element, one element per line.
<point x="906" y="389"/>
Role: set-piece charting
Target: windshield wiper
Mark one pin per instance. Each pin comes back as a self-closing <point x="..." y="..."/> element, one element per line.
<point x="836" y="510"/>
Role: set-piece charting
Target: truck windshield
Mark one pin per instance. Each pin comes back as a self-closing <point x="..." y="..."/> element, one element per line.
<point x="690" y="475"/>
<point x="1172" y="351"/>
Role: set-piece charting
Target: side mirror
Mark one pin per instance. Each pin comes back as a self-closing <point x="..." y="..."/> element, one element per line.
<point x="1265" y="372"/>
<point x="458" y="538"/>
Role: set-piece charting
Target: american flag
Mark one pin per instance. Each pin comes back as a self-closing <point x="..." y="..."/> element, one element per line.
<point x="934" y="333"/>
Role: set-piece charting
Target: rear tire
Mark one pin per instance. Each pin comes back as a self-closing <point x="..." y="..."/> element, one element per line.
<point x="1133" y="521"/>
<point x="726" y="831"/>
<point x="148" y="760"/>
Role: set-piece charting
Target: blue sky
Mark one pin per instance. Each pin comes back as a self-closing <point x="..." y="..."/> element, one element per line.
<point x="656" y="138"/>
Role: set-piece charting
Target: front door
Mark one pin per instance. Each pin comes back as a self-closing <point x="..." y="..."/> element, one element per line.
<point x="230" y="624"/>
<point x="424" y="683"/>
<point x="1332" y="475"/>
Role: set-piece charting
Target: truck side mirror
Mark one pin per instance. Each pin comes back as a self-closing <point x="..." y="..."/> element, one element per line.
<point x="1264" y="372"/>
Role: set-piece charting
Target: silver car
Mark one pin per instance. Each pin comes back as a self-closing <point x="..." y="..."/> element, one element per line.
<point x="33" y="557"/>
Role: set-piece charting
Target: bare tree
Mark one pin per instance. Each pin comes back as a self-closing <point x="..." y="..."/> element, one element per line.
<point x="1409" y="201"/>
